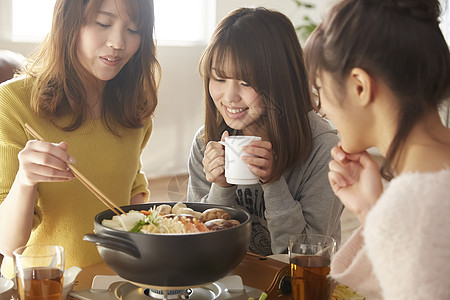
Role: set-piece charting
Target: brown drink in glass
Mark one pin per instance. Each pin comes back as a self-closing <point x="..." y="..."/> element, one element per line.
<point x="39" y="272"/>
<point x="310" y="257"/>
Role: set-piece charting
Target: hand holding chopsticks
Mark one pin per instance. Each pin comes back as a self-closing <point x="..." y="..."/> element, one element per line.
<point x="82" y="179"/>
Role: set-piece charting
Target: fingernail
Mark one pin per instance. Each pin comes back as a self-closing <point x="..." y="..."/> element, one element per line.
<point x="340" y="155"/>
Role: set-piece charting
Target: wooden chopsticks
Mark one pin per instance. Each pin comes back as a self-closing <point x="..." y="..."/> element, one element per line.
<point x="81" y="178"/>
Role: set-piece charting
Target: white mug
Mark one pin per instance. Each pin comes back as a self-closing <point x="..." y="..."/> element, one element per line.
<point x="237" y="171"/>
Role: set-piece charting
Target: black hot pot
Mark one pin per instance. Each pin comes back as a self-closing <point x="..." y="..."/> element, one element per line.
<point x="172" y="261"/>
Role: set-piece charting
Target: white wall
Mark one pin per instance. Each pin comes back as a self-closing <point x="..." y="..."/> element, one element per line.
<point x="287" y="7"/>
<point x="179" y="112"/>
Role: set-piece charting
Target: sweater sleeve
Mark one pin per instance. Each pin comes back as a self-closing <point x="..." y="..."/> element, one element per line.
<point x="351" y="266"/>
<point x="12" y="139"/>
<point x="304" y="201"/>
<point x="199" y="189"/>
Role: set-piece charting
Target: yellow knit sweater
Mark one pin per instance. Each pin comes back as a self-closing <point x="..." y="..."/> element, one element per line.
<point x="65" y="211"/>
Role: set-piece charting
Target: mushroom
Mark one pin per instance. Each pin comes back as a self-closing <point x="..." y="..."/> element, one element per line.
<point x="214" y="213"/>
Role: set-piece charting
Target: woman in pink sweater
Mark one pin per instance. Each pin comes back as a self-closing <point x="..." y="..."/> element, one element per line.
<point x="381" y="68"/>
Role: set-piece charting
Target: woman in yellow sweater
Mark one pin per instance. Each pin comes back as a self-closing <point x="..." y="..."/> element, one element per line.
<point x="90" y="92"/>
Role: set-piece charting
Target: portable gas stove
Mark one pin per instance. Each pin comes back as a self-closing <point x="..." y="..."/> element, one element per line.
<point x="114" y="287"/>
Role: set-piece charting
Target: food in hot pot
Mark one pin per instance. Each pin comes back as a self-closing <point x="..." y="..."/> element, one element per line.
<point x="166" y="219"/>
<point x="172" y="264"/>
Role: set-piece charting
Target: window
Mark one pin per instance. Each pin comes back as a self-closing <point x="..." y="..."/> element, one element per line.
<point x="27" y="12"/>
<point x="176" y="21"/>
<point x="445" y="21"/>
<point x="184" y="21"/>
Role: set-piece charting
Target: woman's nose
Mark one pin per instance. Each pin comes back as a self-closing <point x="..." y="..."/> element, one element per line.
<point x="116" y="40"/>
<point x="232" y="94"/>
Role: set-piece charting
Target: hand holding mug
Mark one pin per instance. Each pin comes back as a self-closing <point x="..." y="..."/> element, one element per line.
<point x="237" y="149"/>
<point x="260" y="158"/>
<point x="214" y="162"/>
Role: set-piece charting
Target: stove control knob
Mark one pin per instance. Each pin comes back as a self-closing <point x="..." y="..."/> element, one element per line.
<point x="285" y="285"/>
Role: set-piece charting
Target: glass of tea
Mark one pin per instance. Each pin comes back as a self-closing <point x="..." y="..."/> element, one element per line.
<point x="309" y="257"/>
<point x="39" y="272"/>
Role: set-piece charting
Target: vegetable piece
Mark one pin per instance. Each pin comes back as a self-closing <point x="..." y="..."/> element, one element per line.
<point x="139" y="225"/>
<point x="263" y="296"/>
<point x="126" y="221"/>
<point x="343" y="292"/>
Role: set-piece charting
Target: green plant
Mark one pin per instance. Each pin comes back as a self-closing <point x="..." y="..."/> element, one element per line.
<point x="307" y="25"/>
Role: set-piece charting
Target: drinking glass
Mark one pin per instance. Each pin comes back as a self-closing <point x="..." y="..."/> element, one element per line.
<point x="39" y="272"/>
<point x="309" y="257"/>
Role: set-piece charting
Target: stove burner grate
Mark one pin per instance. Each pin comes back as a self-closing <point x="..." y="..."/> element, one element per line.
<point x="123" y="290"/>
<point x="168" y="294"/>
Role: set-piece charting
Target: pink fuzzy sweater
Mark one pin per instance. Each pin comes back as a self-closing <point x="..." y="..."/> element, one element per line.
<point x="403" y="252"/>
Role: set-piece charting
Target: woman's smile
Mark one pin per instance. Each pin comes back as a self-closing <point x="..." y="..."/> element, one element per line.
<point x="111" y="61"/>
<point x="238" y="103"/>
<point x="235" y="113"/>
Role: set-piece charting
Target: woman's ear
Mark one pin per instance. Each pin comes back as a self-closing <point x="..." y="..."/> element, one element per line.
<point x="362" y="86"/>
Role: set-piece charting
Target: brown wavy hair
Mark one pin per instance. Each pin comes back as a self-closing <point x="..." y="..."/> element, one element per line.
<point x="398" y="41"/>
<point x="265" y="52"/>
<point x="59" y="91"/>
